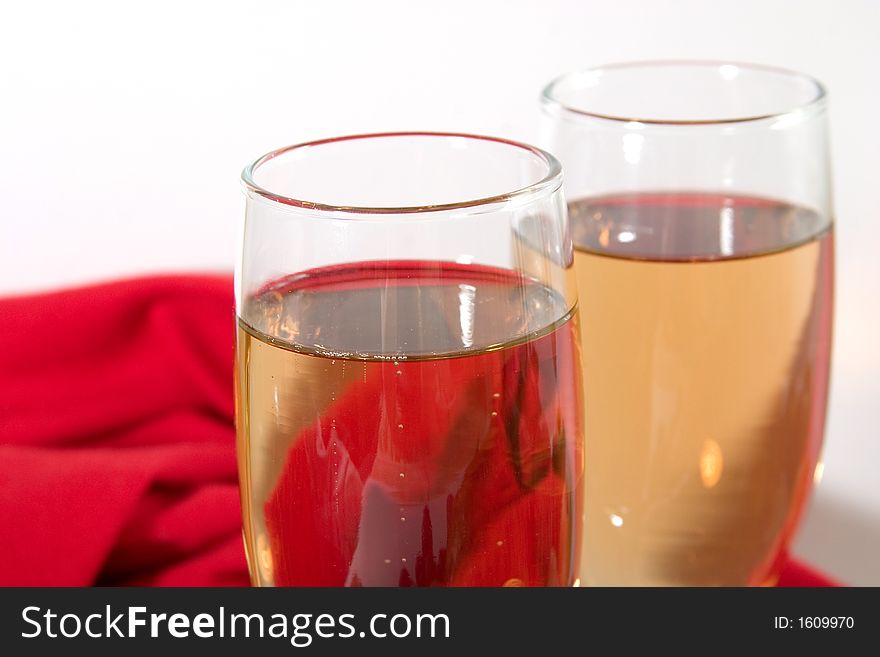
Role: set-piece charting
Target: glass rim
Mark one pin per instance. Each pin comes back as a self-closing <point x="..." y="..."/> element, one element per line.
<point x="549" y="99"/>
<point x="548" y="183"/>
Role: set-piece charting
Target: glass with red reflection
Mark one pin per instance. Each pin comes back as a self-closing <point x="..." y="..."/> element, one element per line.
<point x="408" y="392"/>
<point x="700" y="207"/>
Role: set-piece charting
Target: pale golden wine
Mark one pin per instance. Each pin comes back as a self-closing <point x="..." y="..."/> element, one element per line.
<point x="706" y="326"/>
<point x="410" y="424"/>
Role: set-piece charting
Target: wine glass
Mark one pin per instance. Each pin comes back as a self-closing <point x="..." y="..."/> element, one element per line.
<point x="408" y="389"/>
<point x="700" y="206"/>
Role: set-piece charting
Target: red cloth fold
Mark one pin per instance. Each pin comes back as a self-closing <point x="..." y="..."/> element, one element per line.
<point x="117" y="460"/>
<point x="116" y="440"/>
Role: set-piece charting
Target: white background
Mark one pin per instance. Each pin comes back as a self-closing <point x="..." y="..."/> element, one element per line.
<point x="123" y="128"/>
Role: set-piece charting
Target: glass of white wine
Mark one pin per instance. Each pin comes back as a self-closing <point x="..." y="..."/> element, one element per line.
<point x="408" y="391"/>
<point x="699" y="198"/>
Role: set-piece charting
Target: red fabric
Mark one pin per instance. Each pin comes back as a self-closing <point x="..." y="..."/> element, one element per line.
<point x="797" y="574"/>
<point x="116" y="444"/>
<point x="117" y="460"/>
